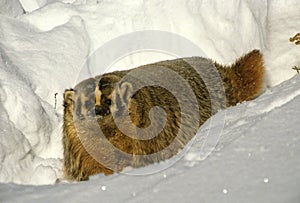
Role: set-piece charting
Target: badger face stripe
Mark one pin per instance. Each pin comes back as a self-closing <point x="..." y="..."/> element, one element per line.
<point x="97" y="96"/>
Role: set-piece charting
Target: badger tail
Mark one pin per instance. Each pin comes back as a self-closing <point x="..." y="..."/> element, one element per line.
<point x="243" y="80"/>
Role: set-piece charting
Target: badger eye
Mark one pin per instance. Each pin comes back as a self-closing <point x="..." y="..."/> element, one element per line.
<point x="87" y="104"/>
<point x="108" y="102"/>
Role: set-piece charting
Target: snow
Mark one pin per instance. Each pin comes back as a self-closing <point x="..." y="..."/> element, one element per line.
<point x="32" y="71"/>
<point x="283" y="23"/>
<point x="11" y="8"/>
<point x="44" y="52"/>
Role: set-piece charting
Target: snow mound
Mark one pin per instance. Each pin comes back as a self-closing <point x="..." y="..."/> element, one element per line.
<point x="11" y="8"/>
<point x="223" y="34"/>
<point x="281" y="55"/>
<point x="34" y="66"/>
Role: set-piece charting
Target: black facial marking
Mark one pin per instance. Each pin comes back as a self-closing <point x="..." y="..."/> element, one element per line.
<point x="108" y="102"/>
<point x="78" y="108"/>
<point x="101" y="111"/>
<point x="103" y="83"/>
<point x="87" y="104"/>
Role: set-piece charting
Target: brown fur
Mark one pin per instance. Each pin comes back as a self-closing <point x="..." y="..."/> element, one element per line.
<point x="78" y="163"/>
<point x="108" y="94"/>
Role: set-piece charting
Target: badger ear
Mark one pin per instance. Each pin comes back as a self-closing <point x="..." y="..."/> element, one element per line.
<point x="125" y="92"/>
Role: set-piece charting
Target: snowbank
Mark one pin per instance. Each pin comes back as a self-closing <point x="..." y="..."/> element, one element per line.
<point x="280" y="54"/>
<point x="11" y="8"/>
<point x="223" y="29"/>
<point x="43" y="52"/>
<point x="34" y="66"/>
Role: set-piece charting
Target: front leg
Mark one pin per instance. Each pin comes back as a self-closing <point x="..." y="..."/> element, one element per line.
<point x="69" y="136"/>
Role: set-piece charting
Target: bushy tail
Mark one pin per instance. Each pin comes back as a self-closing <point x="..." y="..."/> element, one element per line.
<point x="243" y="80"/>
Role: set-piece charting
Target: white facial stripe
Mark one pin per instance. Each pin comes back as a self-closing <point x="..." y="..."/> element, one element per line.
<point x="97" y="96"/>
<point x="112" y="96"/>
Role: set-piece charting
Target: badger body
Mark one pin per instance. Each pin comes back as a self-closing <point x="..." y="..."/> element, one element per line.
<point x="110" y="121"/>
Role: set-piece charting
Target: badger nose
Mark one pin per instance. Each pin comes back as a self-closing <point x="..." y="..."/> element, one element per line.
<point x="98" y="110"/>
<point x="102" y="111"/>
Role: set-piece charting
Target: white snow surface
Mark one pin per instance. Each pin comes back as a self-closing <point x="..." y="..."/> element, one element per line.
<point x="43" y="53"/>
<point x="11" y="8"/>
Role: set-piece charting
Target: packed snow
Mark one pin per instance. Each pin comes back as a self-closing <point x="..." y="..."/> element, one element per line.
<point x="44" y="47"/>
